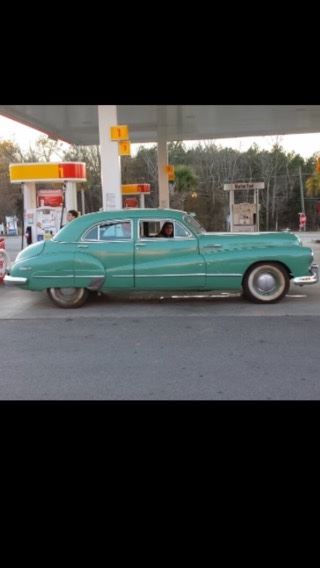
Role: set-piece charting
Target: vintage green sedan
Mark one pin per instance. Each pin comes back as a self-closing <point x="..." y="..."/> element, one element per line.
<point x="156" y="250"/>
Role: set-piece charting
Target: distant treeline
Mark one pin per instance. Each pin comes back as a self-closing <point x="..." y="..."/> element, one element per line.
<point x="201" y="172"/>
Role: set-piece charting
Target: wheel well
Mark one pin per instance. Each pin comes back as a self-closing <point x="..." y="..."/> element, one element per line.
<point x="260" y="262"/>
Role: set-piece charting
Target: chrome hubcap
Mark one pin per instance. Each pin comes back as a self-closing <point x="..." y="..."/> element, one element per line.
<point x="67" y="292"/>
<point x="265" y="282"/>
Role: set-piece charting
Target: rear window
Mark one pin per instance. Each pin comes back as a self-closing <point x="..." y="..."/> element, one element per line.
<point x="110" y="231"/>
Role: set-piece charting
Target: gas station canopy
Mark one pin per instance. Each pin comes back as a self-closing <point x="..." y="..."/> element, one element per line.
<point x="78" y="124"/>
<point x="52" y="171"/>
<point x="91" y="125"/>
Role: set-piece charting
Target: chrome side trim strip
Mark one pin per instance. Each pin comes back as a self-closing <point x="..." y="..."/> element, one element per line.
<point x="223" y="275"/>
<point x="57" y="276"/>
<point x="122" y="275"/>
<point x="76" y="276"/>
<point x="185" y="275"/>
<point x="90" y="276"/>
<point x="167" y="275"/>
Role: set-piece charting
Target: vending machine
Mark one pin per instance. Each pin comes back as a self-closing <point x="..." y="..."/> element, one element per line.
<point x="12" y="226"/>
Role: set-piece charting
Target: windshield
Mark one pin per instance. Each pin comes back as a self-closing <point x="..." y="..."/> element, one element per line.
<point x="194" y="224"/>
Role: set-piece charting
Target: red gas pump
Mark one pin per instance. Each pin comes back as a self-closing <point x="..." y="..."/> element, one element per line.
<point x="4" y="259"/>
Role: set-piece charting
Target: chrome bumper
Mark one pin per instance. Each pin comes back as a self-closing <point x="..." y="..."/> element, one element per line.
<point x="14" y="280"/>
<point x="311" y="279"/>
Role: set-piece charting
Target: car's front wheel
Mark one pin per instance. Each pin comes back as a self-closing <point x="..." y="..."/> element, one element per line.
<point x="68" y="297"/>
<point x="266" y="283"/>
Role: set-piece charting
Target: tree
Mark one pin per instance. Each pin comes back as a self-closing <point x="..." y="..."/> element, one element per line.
<point x="43" y="150"/>
<point x="186" y="181"/>
<point x="201" y="172"/>
<point x="313" y="182"/>
<point x="177" y="153"/>
<point x="313" y="185"/>
<point x="10" y="195"/>
<point x="143" y="169"/>
<point x="90" y="155"/>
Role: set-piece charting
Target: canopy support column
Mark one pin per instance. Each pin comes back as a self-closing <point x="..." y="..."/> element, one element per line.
<point x="71" y="196"/>
<point x="163" y="160"/>
<point x="110" y="159"/>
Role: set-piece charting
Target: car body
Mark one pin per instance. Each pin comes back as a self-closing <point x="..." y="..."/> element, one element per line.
<point x="121" y="250"/>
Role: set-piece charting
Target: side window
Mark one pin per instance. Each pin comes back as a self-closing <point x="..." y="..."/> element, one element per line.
<point x="162" y="228"/>
<point x="149" y="229"/>
<point x="181" y="231"/>
<point x="111" y="231"/>
<point x="92" y="234"/>
<point x="144" y="229"/>
<point x="115" y="231"/>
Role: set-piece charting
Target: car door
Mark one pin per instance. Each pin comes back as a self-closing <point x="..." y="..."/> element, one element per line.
<point x="225" y="260"/>
<point x="167" y="263"/>
<point x="106" y="250"/>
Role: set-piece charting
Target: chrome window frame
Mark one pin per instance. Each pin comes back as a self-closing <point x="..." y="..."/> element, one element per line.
<point x="194" y="224"/>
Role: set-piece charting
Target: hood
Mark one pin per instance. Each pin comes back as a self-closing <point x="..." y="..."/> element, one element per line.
<point x="271" y="239"/>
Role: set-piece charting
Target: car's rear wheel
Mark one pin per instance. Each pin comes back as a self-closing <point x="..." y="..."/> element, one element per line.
<point x="68" y="297"/>
<point x="266" y="283"/>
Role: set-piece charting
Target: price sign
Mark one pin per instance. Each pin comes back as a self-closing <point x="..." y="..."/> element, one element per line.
<point x="118" y="133"/>
<point x="125" y="148"/>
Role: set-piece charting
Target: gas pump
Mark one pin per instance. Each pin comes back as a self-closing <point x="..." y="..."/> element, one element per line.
<point x="45" y="207"/>
<point x="4" y="259"/>
<point x="41" y="223"/>
<point x="133" y="194"/>
<point x="244" y="216"/>
<point x="47" y="222"/>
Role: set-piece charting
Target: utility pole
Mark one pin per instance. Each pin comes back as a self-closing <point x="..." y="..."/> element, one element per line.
<point x="301" y="195"/>
<point x="301" y="191"/>
<point x="267" y="205"/>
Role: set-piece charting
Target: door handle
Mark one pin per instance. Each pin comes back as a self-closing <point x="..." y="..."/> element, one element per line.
<point x="212" y="246"/>
<point x="140" y="244"/>
<point x="82" y="246"/>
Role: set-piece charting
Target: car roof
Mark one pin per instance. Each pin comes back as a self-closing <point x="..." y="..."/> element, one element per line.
<point x="75" y="228"/>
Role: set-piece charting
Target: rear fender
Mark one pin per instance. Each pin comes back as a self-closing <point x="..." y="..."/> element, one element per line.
<point x="89" y="272"/>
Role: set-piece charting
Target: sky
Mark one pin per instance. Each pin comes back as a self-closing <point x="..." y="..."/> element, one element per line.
<point x="304" y="144"/>
<point x="22" y="135"/>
